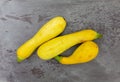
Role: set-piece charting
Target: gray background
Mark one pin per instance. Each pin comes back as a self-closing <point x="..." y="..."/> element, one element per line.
<point x="20" y="20"/>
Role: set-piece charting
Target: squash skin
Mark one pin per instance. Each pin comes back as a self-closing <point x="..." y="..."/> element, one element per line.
<point x="86" y="52"/>
<point x="59" y="44"/>
<point x="48" y="31"/>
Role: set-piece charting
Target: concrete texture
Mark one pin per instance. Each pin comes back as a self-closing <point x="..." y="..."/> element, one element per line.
<point x="20" y="20"/>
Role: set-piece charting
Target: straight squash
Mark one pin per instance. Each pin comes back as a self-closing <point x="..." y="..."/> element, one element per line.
<point x="58" y="45"/>
<point x="48" y="31"/>
<point x="86" y="52"/>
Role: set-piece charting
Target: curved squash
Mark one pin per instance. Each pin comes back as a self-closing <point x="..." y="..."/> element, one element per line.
<point x="86" y="52"/>
<point x="48" y="31"/>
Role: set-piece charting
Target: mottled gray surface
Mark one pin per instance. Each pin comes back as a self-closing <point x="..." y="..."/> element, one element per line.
<point x="20" y="20"/>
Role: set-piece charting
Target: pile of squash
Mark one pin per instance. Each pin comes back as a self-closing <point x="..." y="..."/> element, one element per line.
<point x="49" y="45"/>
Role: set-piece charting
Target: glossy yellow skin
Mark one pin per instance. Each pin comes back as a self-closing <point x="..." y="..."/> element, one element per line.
<point x="84" y="53"/>
<point x="58" y="45"/>
<point x="48" y="31"/>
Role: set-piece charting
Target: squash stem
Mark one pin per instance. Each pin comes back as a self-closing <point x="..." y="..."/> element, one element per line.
<point x="58" y="58"/>
<point x="19" y="60"/>
<point x="99" y="35"/>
